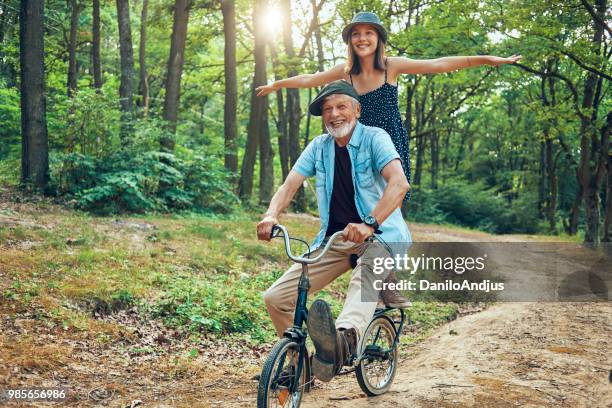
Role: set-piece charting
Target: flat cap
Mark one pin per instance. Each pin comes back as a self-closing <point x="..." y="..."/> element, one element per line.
<point x="336" y="87"/>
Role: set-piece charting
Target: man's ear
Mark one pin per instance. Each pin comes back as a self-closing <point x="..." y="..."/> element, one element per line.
<point x="358" y="111"/>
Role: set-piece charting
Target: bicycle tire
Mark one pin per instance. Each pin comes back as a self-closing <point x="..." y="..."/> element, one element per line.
<point x="385" y="324"/>
<point x="267" y="375"/>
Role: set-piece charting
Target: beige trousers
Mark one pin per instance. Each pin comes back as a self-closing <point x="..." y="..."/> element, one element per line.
<point x="280" y="298"/>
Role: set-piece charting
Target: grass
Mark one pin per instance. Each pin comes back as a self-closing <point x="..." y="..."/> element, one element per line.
<point x="77" y="276"/>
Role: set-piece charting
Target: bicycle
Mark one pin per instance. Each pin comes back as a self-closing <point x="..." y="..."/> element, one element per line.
<point x="286" y="374"/>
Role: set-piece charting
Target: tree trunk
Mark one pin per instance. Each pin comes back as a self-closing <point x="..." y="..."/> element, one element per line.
<point x="175" y="69"/>
<point x="603" y="168"/>
<point x="435" y="157"/>
<point x="542" y="180"/>
<point x="420" y="144"/>
<point x="293" y="110"/>
<point x="144" y="81"/>
<point x="574" y="217"/>
<point x="318" y="39"/>
<point x="71" y="83"/>
<point x="266" y="159"/>
<point x="607" y="233"/>
<point x="34" y="144"/>
<point x="551" y="207"/>
<point x="552" y="163"/>
<point x="281" y="123"/>
<point x="408" y="126"/>
<point x="591" y="155"/>
<point x="95" y="47"/>
<point x="258" y="108"/>
<point x="127" y="69"/>
<point x="266" y="155"/>
<point x="231" y="86"/>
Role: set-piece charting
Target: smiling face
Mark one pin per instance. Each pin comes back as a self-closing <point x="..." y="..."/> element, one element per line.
<point x="340" y="113"/>
<point x="364" y="39"/>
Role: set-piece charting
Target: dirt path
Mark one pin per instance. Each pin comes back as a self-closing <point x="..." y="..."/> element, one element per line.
<point x="512" y="354"/>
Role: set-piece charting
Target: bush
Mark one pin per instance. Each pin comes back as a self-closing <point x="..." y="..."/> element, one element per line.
<point x="150" y="181"/>
<point x="471" y="205"/>
<point x="10" y="117"/>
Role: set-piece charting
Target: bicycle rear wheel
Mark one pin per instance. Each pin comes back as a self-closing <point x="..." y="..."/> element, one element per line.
<point x="376" y="370"/>
<point x="279" y="374"/>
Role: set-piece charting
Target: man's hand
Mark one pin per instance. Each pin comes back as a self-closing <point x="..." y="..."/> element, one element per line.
<point x="357" y="233"/>
<point x="264" y="228"/>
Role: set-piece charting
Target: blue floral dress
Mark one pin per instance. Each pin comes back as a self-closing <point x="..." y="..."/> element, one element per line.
<point x="380" y="108"/>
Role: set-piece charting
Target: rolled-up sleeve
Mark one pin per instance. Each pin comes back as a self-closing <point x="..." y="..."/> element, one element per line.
<point x="383" y="150"/>
<point x="305" y="164"/>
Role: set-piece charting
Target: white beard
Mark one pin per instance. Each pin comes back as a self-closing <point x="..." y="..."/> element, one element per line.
<point x="341" y="132"/>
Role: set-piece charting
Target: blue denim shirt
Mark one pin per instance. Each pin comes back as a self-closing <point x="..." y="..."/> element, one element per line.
<point x="370" y="150"/>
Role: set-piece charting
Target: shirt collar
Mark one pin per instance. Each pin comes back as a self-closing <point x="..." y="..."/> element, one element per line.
<point x="357" y="135"/>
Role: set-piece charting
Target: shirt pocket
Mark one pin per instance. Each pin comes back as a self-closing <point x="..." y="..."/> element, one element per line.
<point x="364" y="173"/>
<point x="320" y="174"/>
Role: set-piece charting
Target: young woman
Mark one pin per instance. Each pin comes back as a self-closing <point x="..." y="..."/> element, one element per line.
<point x="374" y="76"/>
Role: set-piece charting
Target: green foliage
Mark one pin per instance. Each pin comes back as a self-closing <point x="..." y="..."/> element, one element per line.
<point x="470" y="204"/>
<point x="87" y="123"/>
<point x="220" y="303"/>
<point x="10" y="119"/>
<point x="150" y="181"/>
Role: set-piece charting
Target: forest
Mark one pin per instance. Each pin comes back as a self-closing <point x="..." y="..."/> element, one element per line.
<point x="149" y="106"/>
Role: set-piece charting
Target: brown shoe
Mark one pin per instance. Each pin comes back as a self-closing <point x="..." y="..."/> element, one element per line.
<point x="324" y="336"/>
<point x="392" y="298"/>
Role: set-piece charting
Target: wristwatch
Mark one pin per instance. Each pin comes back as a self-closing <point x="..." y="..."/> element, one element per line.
<point x="371" y="222"/>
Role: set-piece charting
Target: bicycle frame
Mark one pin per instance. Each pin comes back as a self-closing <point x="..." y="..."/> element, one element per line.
<point x="298" y="332"/>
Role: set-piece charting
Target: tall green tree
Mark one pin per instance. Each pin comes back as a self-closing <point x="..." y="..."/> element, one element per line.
<point x="95" y="45"/>
<point x="34" y="144"/>
<point x="175" y="68"/>
<point x="230" y="128"/>
<point x="126" y="92"/>
<point x="258" y="134"/>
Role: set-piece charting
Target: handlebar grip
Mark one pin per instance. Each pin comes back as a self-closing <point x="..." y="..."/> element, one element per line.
<point x="275" y="228"/>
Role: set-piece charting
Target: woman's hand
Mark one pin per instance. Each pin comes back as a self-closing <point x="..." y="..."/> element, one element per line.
<point x="495" y="61"/>
<point x="266" y="89"/>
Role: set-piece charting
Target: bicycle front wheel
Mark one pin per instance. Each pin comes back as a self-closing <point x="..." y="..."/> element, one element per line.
<point x="376" y="370"/>
<point x="279" y="375"/>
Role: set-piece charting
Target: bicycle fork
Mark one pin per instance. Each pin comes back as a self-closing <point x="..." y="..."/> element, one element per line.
<point x="297" y="333"/>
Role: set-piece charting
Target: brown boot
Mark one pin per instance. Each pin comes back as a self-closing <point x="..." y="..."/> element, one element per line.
<point x="324" y="336"/>
<point x="392" y="298"/>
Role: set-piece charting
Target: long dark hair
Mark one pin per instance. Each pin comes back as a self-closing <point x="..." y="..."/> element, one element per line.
<point x="353" y="67"/>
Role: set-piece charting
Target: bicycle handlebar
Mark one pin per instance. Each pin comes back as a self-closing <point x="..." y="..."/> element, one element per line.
<point x="299" y="259"/>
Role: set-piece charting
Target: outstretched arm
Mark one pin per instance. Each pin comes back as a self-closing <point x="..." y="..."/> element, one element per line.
<point x="280" y="201"/>
<point x="304" y="81"/>
<point x="402" y="65"/>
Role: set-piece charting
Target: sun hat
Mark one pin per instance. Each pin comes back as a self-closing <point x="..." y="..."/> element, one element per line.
<point x="336" y="87"/>
<point x="365" y="17"/>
